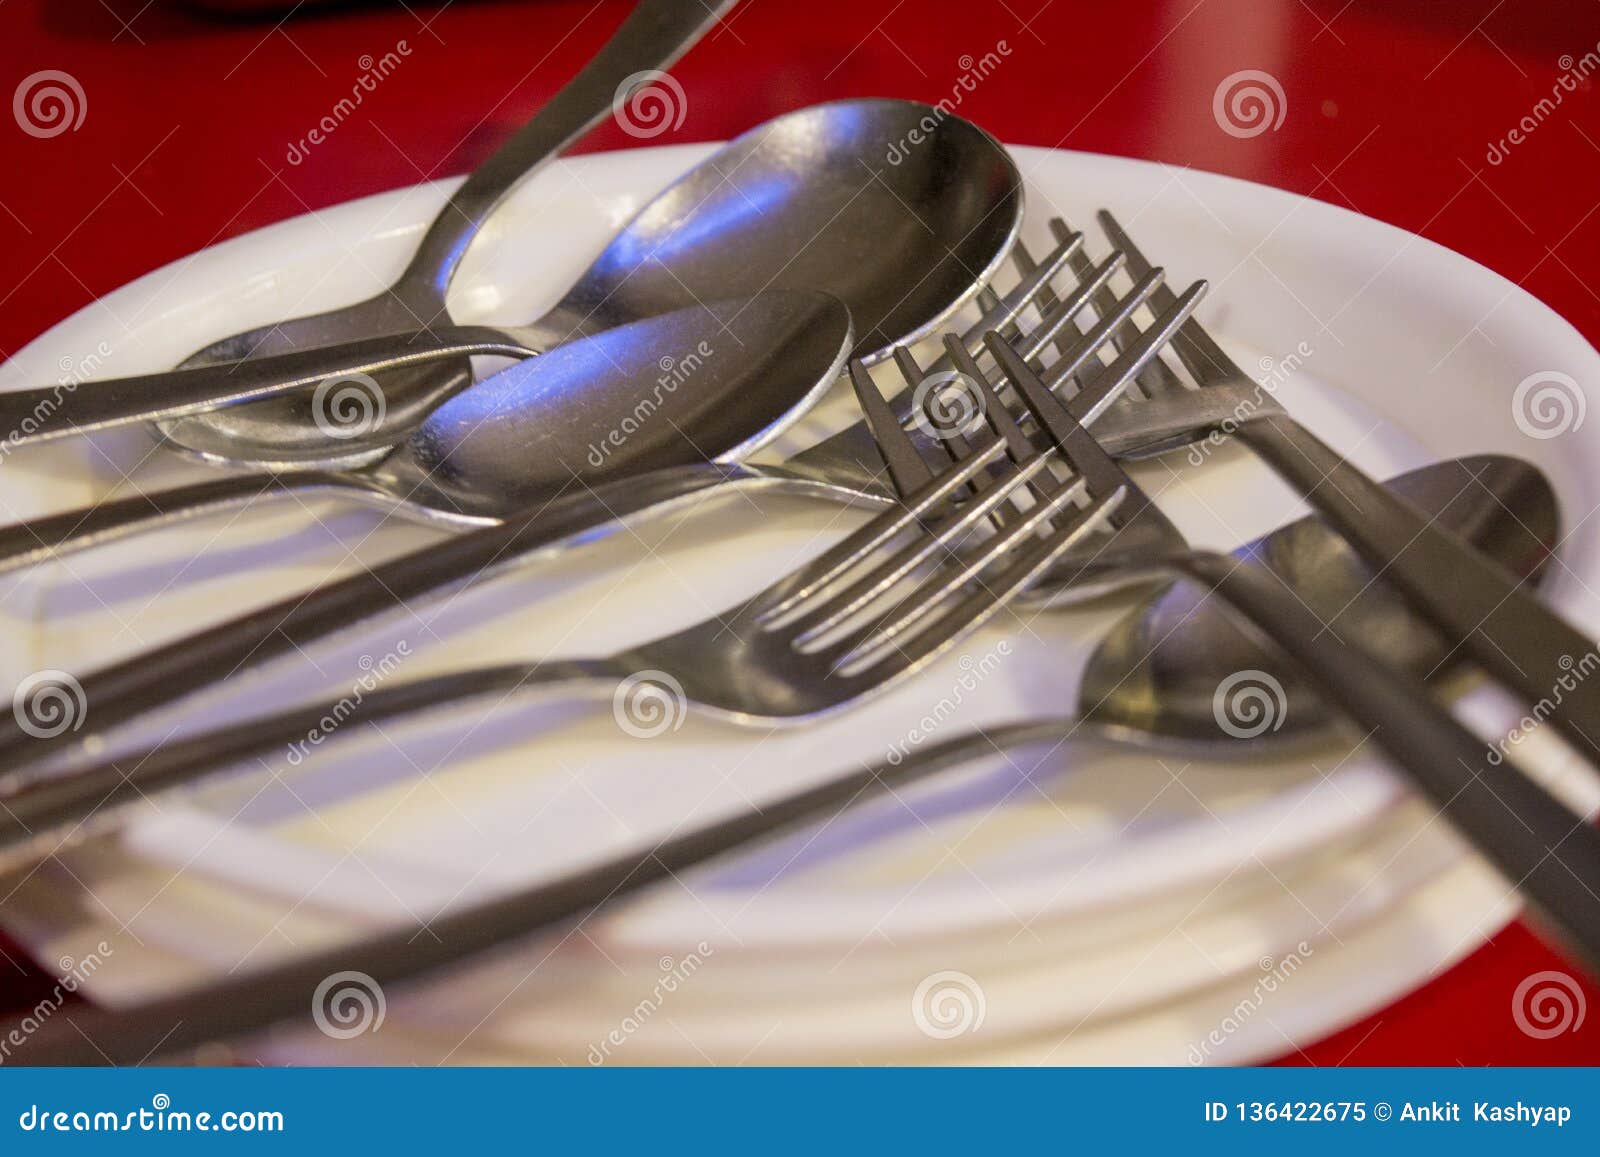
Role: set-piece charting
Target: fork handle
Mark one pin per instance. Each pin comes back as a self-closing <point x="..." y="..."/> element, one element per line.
<point x="145" y="682"/>
<point x="1494" y="616"/>
<point x="1543" y="849"/>
<point x="255" y="1000"/>
<point x="38" y="415"/>
<point x="39" y="540"/>
<point x="56" y="812"/>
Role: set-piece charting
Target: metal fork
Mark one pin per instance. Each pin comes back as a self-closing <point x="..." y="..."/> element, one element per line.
<point x="864" y="614"/>
<point x="1494" y="617"/>
<point x="1402" y="719"/>
<point x="134" y="687"/>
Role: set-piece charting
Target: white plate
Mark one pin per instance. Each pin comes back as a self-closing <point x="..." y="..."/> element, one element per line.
<point x="1049" y="994"/>
<point x="1377" y="307"/>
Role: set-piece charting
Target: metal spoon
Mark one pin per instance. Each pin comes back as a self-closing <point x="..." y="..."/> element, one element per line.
<point x="1156" y="673"/>
<point x="719" y="380"/>
<point x="1505" y="506"/>
<point x="804" y="201"/>
<point x="632" y="372"/>
<point x="654" y="35"/>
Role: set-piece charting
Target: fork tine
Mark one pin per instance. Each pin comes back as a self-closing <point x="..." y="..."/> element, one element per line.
<point x="1046" y="299"/>
<point x="1107" y="385"/>
<point x="1014" y="303"/>
<point x="1156" y="380"/>
<point x="907" y="470"/>
<point x="1057" y="323"/>
<point x="837" y="608"/>
<point x="832" y="563"/>
<point x="953" y="443"/>
<point x="1079" y="448"/>
<point x="1076" y="444"/>
<point x="1194" y="346"/>
<point x="1085" y="353"/>
<point x="919" y="616"/>
<point x="999" y="417"/>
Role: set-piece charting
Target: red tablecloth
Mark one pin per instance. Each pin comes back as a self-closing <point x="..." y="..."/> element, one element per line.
<point x="1401" y="109"/>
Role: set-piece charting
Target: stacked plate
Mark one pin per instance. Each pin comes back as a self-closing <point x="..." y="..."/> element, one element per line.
<point x="1086" y="904"/>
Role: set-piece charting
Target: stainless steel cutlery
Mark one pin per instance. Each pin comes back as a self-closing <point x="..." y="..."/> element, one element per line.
<point x="939" y="225"/>
<point x="1024" y="504"/>
<point x="713" y="320"/>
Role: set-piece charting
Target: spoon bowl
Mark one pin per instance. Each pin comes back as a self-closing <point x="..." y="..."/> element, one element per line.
<point x="712" y="382"/>
<point x="1155" y="675"/>
<point x="810" y="200"/>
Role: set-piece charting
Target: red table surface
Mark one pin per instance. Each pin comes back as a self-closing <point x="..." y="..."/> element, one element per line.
<point x="1391" y="109"/>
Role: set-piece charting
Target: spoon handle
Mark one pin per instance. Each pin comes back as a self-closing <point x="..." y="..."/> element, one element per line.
<point x="257" y="999"/>
<point x="129" y="689"/>
<point x="653" y="36"/>
<point x="39" y="415"/>
<point x="39" y="540"/>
